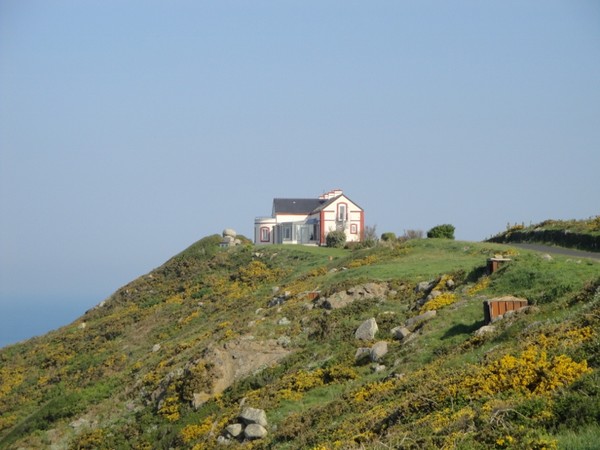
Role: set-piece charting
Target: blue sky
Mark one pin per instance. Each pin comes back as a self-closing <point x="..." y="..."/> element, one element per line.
<point x="131" y="129"/>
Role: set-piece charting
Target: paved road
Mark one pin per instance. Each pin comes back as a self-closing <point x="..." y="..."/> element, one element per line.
<point x="558" y="250"/>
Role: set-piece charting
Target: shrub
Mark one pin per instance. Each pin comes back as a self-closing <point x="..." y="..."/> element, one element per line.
<point x="388" y="236"/>
<point x="445" y="231"/>
<point x="413" y="234"/>
<point x="336" y="239"/>
<point x="370" y="238"/>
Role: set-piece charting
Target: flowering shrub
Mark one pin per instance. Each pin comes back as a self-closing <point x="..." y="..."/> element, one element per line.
<point x="439" y="302"/>
<point x="192" y="432"/>
<point x="370" y="259"/>
<point x="529" y="373"/>
<point x="479" y="286"/>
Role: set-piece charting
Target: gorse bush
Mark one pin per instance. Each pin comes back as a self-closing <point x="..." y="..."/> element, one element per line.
<point x="445" y="231"/>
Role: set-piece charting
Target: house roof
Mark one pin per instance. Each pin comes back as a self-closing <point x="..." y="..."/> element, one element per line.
<point x="302" y="205"/>
<point x="296" y="205"/>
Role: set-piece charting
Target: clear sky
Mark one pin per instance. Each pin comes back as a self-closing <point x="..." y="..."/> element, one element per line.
<point x="131" y="129"/>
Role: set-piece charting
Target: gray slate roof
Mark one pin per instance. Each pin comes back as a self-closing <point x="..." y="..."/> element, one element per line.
<point x="296" y="205"/>
<point x="301" y="205"/>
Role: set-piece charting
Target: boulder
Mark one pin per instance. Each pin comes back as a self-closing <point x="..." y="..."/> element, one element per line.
<point x="254" y="416"/>
<point x="234" y="430"/>
<point x="433" y="294"/>
<point x="362" y="353"/>
<point x="229" y="232"/>
<point x="427" y="315"/>
<point x="255" y="431"/>
<point x="378" y="368"/>
<point x="486" y="329"/>
<point x="367" y="330"/>
<point x="400" y="333"/>
<point x="283" y="321"/>
<point x="378" y="351"/>
<point x="155" y="348"/>
<point x="424" y="286"/>
<point x="365" y="291"/>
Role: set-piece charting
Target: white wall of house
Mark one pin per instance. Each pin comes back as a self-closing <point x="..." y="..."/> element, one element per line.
<point x="263" y="230"/>
<point x="346" y="215"/>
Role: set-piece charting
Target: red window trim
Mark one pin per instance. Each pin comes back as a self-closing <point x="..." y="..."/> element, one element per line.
<point x="337" y="213"/>
<point x="353" y="228"/>
<point x="268" y="234"/>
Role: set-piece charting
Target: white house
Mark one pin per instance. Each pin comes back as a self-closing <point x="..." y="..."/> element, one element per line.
<point x="309" y="220"/>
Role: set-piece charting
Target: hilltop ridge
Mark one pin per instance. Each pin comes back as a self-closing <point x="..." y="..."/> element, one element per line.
<point x="172" y="358"/>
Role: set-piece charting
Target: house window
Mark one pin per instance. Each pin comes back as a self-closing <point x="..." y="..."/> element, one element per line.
<point x="287" y="233"/>
<point x="265" y="234"/>
<point x="353" y="229"/>
<point x="342" y="214"/>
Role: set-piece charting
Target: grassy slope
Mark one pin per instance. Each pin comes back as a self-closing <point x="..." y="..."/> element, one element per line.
<point x="580" y="234"/>
<point x="428" y="396"/>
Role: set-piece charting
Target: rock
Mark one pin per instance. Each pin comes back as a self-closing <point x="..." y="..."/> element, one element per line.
<point x="255" y="431"/>
<point x="547" y="257"/>
<point x="423" y="286"/>
<point x="155" y="348"/>
<point x="486" y="329"/>
<point x="200" y="398"/>
<point x="378" y="368"/>
<point x="254" y="416"/>
<point x="337" y="301"/>
<point x="427" y="315"/>
<point x="378" y="351"/>
<point x="433" y="294"/>
<point x="275" y="289"/>
<point x="400" y="333"/>
<point x="365" y="291"/>
<point x="82" y="326"/>
<point x="367" y="330"/>
<point x="362" y="353"/>
<point x="229" y="232"/>
<point x="284" y="321"/>
<point x="234" y="430"/>
<point x="222" y="440"/>
<point x="450" y="283"/>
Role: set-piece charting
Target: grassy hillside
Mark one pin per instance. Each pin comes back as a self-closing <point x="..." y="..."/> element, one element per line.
<point x="169" y="359"/>
<point x="580" y="234"/>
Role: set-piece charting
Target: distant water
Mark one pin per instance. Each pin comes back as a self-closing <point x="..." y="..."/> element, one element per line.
<point x="23" y="319"/>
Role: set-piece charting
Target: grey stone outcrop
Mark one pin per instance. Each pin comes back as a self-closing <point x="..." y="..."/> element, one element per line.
<point x="367" y="330"/>
<point x="254" y="416"/>
<point x="362" y="353"/>
<point x="400" y="333"/>
<point x="378" y="351"/>
<point x="234" y="430"/>
<point x="365" y="291"/>
<point x="427" y="315"/>
<point x="255" y="431"/>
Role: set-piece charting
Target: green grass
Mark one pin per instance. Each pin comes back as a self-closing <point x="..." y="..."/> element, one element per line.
<point x="138" y="316"/>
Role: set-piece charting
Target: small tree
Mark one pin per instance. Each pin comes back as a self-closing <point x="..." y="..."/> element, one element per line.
<point x="336" y="238"/>
<point x="445" y="231"/>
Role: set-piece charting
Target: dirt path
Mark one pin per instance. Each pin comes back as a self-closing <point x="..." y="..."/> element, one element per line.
<point x="557" y="250"/>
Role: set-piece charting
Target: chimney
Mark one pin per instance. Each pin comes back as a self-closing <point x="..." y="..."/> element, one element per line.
<point x="331" y="194"/>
